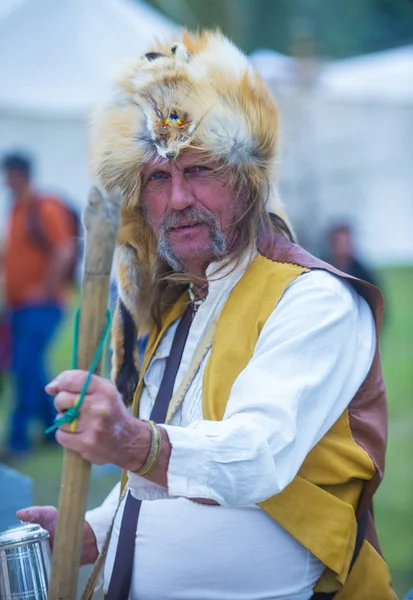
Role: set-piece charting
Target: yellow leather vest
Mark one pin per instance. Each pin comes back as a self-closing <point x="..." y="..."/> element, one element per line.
<point x="318" y="508"/>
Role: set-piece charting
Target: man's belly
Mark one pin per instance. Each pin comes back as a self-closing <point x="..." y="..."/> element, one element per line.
<point x="189" y="551"/>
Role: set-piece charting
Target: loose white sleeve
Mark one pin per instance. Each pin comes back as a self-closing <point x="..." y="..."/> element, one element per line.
<point x="143" y="489"/>
<point x="100" y="518"/>
<point x="312" y="355"/>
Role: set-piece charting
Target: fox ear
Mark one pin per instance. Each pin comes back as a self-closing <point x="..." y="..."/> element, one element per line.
<point x="180" y="52"/>
<point x="154" y="55"/>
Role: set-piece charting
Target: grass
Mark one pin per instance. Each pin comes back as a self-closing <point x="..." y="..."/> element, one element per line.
<point x="393" y="506"/>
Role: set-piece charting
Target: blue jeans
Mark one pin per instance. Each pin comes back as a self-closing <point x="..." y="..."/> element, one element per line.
<point x="33" y="328"/>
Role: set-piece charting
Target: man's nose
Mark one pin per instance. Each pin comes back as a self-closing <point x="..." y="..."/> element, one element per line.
<point x="181" y="195"/>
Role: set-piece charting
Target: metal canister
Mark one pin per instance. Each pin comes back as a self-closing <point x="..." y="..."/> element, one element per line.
<point x="24" y="563"/>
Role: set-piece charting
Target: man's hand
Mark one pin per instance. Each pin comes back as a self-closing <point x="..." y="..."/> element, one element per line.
<point x="105" y="432"/>
<point x="46" y="517"/>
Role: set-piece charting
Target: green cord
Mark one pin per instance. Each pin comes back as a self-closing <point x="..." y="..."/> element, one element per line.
<point x="73" y="413"/>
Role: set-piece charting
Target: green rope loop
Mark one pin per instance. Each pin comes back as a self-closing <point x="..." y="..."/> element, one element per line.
<point x="73" y="413"/>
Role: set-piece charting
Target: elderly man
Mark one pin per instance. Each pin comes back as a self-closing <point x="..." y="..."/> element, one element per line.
<point x="262" y="360"/>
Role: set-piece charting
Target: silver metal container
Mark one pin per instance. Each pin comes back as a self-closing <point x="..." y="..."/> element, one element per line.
<point x="24" y="563"/>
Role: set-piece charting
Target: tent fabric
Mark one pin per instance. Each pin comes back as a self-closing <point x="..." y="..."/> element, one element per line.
<point x="381" y="76"/>
<point x="56" y="56"/>
<point x="273" y="66"/>
<point x="345" y="151"/>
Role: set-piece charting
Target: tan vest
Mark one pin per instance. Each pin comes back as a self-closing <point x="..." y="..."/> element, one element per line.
<point x="339" y="476"/>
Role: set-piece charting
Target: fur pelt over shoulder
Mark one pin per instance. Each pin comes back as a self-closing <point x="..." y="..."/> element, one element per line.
<point x="191" y="91"/>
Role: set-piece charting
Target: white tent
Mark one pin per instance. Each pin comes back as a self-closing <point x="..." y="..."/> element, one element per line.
<point x="367" y="116"/>
<point x="274" y="67"/>
<point x="379" y="77"/>
<point x="55" y="59"/>
<point x="347" y="143"/>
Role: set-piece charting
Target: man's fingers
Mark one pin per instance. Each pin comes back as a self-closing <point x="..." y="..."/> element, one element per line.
<point x="85" y="446"/>
<point x="64" y="400"/>
<point x="45" y="516"/>
<point x="71" y="427"/>
<point x="69" y="440"/>
<point x="72" y="381"/>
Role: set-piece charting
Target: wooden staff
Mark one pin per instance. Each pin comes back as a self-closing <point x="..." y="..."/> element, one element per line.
<point x="101" y="220"/>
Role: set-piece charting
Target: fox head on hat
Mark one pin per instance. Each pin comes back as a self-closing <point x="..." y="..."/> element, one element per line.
<point x="194" y="91"/>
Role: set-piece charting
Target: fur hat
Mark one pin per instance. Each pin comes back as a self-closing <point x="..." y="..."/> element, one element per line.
<point x="194" y="91"/>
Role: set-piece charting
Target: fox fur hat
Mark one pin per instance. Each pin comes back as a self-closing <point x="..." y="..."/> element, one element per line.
<point x="191" y="91"/>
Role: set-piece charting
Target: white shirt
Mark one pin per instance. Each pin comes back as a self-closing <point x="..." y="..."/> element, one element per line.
<point x="312" y="355"/>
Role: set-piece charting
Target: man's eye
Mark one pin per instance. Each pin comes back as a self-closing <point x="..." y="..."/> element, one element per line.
<point x="157" y="176"/>
<point x="198" y="169"/>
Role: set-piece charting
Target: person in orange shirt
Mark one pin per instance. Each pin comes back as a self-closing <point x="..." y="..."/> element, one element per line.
<point x="38" y="253"/>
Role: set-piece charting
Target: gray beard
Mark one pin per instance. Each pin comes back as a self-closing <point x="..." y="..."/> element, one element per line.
<point x="191" y="216"/>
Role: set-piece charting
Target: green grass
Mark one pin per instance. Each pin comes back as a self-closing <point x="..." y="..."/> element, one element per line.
<point x="394" y="506"/>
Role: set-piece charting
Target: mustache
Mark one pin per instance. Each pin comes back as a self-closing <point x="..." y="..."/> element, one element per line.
<point x="187" y="218"/>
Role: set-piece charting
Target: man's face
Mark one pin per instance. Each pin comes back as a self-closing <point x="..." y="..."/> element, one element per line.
<point x="341" y="244"/>
<point x="190" y="207"/>
<point x="15" y="180"/>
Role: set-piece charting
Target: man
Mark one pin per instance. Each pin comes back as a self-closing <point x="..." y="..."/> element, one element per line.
<point x="262" y="360"/>
<point x="38" y="251"/>
<point x="343" y="256"/>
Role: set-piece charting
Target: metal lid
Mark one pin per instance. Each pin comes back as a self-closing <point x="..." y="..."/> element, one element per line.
<point x="22" y="534"/>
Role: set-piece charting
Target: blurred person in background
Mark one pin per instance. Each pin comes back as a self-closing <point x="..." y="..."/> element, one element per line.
<point x="342" y="254"/>
<point x="5" y="346"/>
<point x="38" y="258"/>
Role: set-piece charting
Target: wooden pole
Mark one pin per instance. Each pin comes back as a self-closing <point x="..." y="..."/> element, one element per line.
<point x="101" y="220"/>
